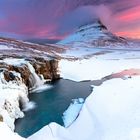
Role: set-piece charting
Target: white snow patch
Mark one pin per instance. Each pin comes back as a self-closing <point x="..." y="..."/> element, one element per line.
<point x="7" y="134"/>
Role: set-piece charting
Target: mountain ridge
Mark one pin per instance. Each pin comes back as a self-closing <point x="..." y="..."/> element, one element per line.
<point x="95" y="34"/>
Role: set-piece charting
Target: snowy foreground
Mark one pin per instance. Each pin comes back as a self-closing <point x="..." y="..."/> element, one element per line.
<point x="111" y="112"/>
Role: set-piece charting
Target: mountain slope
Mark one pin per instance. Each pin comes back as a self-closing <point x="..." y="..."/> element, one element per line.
<point x="95" y="34"/>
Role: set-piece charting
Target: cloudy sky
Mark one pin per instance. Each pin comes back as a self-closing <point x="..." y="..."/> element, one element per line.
<point x="55" y="19"/>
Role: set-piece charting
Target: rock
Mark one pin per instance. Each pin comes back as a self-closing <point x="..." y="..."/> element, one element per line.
<point x="24" y="71"/>
<point x="1" y="118"/>
<point x="47" y="68"/>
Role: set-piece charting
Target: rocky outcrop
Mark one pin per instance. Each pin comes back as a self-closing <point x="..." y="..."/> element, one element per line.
<point x="47" y="68"/>
<point x="1" y="118"/>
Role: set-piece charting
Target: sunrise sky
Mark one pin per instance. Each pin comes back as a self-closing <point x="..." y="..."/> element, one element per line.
<point x="55" y="19"/>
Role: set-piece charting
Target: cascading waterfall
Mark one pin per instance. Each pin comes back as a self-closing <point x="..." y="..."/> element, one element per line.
<point x="35" y="80"/>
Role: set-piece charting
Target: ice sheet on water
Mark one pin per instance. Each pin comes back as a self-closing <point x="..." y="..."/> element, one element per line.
<point x="72" y="112"/>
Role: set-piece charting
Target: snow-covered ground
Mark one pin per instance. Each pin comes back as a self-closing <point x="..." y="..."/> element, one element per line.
<point x="100" y="65"/>
<point x="7" y="134"/>
<point x="111" y="112"/>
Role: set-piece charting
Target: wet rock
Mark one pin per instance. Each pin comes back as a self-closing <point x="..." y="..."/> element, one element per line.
<point x="47" y="68"/>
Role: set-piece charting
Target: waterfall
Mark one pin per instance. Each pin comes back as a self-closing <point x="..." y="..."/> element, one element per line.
<point x="35" y="80"/>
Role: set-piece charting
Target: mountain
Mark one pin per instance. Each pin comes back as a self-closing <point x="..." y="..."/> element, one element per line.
<point x="95" y="34"/>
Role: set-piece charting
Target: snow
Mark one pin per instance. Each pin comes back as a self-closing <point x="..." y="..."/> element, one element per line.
<point x="7" y="134"/>
<point x="13" y="61"/>
<point x="5" y="47"/>
<point x="99" y="66"/>
<point x="114" y="107"/>
<point x="85" y="34"/>
<point x="10" y="94"/>
<point x="80" y="52"/>
<point x="70" y="115"/>
<point x="111" y="112"/>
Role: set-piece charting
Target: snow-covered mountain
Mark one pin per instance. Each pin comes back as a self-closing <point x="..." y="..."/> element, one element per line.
<point x="95" y="34"/>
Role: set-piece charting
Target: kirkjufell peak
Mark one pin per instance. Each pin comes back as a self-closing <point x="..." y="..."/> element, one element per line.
<point x="94" y="33"/>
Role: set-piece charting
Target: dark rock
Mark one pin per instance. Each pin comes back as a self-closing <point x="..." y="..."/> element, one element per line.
<point x="1" y="118"/>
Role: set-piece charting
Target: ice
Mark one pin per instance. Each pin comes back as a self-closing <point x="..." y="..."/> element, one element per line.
<point x="70" y="115"/>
